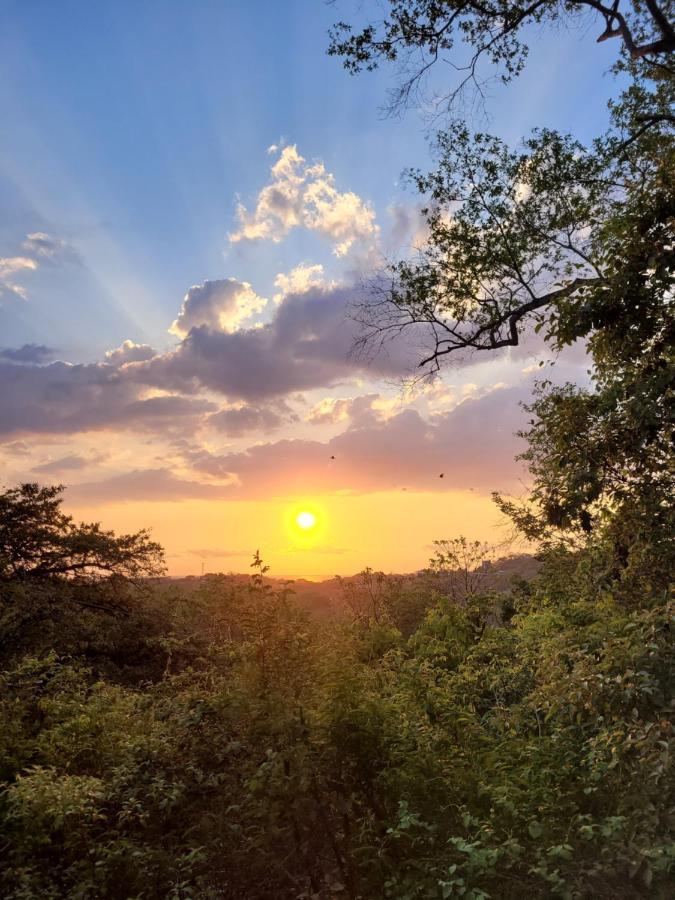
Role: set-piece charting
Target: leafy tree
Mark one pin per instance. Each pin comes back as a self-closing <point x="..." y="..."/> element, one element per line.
<point x="553" y="238"/>
<point x="39" y="542"/>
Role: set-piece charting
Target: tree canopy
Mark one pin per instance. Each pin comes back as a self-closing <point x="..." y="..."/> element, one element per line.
<point x="40" y="544"/>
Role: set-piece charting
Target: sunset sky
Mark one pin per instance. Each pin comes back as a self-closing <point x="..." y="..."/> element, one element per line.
<point x="192" y="195"/>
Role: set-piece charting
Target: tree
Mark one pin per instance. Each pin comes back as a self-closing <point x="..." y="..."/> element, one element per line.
<point x="557" y="239"/>
<point x="542" y="236"/>
<point x="418" y="34"/>
<point x="41" y="545"/>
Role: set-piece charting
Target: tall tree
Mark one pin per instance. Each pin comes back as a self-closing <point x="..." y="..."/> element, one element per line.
<point x="556" y="238"/>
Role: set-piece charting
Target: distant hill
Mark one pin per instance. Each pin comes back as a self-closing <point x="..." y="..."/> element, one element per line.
<point x="325" y="598"/>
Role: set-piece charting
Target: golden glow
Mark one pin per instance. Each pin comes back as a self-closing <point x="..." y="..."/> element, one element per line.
<point x="305" y="520"/>
<point x="388" y="530"/>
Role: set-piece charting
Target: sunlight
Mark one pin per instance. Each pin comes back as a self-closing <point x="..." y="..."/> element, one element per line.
<point x="305" y="520"/>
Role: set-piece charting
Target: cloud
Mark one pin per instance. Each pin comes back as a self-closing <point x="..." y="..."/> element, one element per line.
<point x="307" y="344"/>
<point x="11" y="266"/>
<point x="333" y="410"/>
<point x="37" y="248"/>
<point x="408" y="229"/>
<point x="220" y="305"/>
<point x="29" y="353"/>
<point x="71" y="463"/>
<point x="151" y="485"/>
<point x="64" y="398"/>
<point x="472" y="446"/>
<point x="304" y="195"/>
<point x="245" y="419"/>
<point x="16" y="448"/>
<point x="375" y="454"/>
<point x="326" y="549"/>
<point x="43" y="246"/>
<point x="299" y="280"/>
<point x="128" y="352"/>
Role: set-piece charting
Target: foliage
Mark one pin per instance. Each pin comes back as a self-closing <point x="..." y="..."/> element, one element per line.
<point x="447" y="738"/>
<point x="467" y="754"/>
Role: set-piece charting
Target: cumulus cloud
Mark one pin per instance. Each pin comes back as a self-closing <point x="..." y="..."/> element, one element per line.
<point x="332" y="410"/>
<point x="128" y="352"/>
<point x="306" y="345"/>
<point x="302" y="194"/>
<point x="299" y="280"/>
<point x="221" y="305"/>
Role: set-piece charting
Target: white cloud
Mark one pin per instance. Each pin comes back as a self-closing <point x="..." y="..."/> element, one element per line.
<point x="11" y="266"/>
<point x="220" y="305"/>
<point x="304" y="195"/>
<point x="37" y="248"/>
<point x="359" y="410"/>
<point x="127" y="352"/>
<point x="299" y="280"/>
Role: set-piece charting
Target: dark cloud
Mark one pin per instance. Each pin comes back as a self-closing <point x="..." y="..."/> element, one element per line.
<point x="35" y="354"/>
<point x="63" y="398"/>
<point x="165" y="408"/>
<point x="307" y="345"/>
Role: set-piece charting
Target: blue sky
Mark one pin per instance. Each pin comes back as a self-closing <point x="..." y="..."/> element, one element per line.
<point x="137" y="191"/>
<point x="130" y="128"/>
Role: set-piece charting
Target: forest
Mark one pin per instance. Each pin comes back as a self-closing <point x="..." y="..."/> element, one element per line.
<point x="446" y="734"/>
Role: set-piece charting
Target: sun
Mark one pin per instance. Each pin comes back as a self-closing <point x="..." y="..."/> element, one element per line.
<point x="305" y="520"/>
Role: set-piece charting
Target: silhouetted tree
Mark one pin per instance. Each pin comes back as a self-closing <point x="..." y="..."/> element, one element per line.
<point x="40" y="545"/>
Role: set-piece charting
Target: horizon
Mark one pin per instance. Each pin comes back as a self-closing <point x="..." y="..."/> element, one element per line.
<point x="177" y="276"/>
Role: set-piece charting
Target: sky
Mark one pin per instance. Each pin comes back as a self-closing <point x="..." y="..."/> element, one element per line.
<point x="192" y="196"/>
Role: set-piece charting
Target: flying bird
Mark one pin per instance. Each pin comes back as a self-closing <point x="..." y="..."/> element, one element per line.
<point x="441" y="475"/>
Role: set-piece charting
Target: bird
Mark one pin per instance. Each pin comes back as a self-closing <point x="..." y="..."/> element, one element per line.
<point x="332" y="457"/>
<point x="441" y="475"/>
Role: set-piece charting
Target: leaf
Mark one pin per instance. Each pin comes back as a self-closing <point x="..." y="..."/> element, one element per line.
<point x="535" y="829"/>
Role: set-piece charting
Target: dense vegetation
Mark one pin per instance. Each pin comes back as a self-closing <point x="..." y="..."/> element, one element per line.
<point x="444" y="739"/>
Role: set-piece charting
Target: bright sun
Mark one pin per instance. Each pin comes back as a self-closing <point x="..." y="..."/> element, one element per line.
<point x="305" y="520"/>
